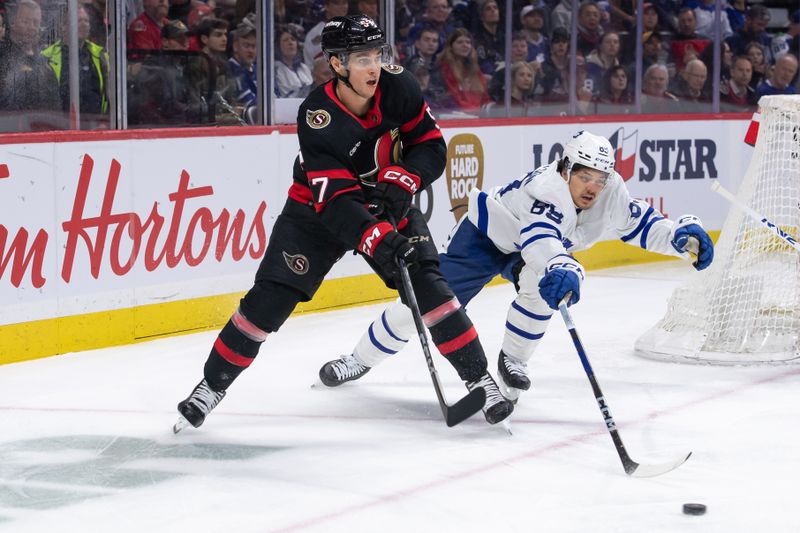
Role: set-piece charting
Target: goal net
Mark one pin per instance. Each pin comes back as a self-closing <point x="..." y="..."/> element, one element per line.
<point x="745" y="308"/>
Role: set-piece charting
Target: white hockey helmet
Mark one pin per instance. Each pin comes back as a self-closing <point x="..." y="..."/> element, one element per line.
<point x="589" y="150"/>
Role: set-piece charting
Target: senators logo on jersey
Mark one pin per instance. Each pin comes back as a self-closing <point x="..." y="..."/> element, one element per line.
<point x="318" y="119"/>
<point x="393" y="69"/>
<point x="297" y="263"/>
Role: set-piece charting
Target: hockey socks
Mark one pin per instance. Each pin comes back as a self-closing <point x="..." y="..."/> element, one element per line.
<point x="456" y="339"/>
<point x="234" y="350"/>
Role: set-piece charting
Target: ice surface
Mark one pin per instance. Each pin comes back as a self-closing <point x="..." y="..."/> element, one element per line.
<point x="86" y="442"/>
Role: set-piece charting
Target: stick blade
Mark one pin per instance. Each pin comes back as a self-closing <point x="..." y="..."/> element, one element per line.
<point x="658" y="469"/>
<point x="465" y="407"/>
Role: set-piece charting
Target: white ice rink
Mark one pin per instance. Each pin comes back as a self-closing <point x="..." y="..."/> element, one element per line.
<point x="86" y="442"/>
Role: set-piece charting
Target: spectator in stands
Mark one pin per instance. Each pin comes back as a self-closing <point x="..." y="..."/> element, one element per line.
<point x="533" y="19"/>
<point x="780" y="80"/>
<point x="687" y="44"/>
<point x="489" y="37"/>
<point x="321" y="72"/>
<point x="737" y="11"/>
<point x="589" y="28"/>
<point x="753" y="29"/>
<point x="460" y="74"/>
<point x="175" y="36"/>
<point x="432" y="95"/>
<point x="690" y="85"/>
<point x="726" y="61"/>
<point x="655" y="97"/>
<point x="523" y="78"/>
<point x="519" y="52"/>
<point x="425" y="48"/>
<point x="561" y="16"/>
<point x="242" y="64"/>
<point x="292" y="76"/>
<point x="93" y="68"/>
<point x="368" y="8"/>
<point x="159" y="92"/>
<point x="213" y="36"/>
<point x="652" y="51"/>
<point x="615" y="95"/>
<point x="755" y="52"/>
<point x="212" y="70"/>
<point x="552" y="84"/>
<point x="650" y="25"/>
<point x="623" y="14"/>
<point x="403" y="19"/>
<point x="180" y="9"/>
<point x="704" y="15"/>
<point x="195" y="17"/>
<point x="294" y="12"/>
<point x="312" y="46"/>
<point x="144" y="33"/>
<point x="98" y="20"/>
<point x="437" y="15"/>
<point x="782" y="43"/>
<point x="602" y="58"/>
<point x="736" y="93"/>
<point x="2" y="28"/>
<point x="26" y="80"/>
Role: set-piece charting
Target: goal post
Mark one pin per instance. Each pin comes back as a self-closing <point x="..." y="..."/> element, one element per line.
<point x="745" y="308"/>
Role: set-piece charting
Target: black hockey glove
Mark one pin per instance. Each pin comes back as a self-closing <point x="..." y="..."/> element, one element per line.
<point x="393" y="193"/>
<point x="385" y="246"/>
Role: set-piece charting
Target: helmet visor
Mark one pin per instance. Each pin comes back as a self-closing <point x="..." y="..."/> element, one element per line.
<point x="377" y="57"/>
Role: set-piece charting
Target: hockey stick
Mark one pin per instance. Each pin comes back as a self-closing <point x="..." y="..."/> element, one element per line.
<point x="467" y="406"/>
<point x="476" y="398"/>
<point x="716" y="187"/>
<point x="632" y="468"/>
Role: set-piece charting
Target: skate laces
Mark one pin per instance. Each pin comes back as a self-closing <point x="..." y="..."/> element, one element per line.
<point x="493" y="394"/>
<point x="515" y="366"/>
<point x="204" y="397"/>
<point x="347" y="366"/>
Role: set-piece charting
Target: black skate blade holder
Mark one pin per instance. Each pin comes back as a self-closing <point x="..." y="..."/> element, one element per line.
<point x="470" y="404"/>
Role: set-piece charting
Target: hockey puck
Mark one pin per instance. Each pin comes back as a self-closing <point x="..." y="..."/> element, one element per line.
<point x="694" y="508"/>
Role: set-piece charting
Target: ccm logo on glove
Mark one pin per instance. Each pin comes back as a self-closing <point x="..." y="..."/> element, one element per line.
<point x="400" y="177"/>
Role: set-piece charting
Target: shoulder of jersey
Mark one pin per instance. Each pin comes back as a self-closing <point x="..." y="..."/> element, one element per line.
<point x="317" y="110"/>
<point x="395" y="75"/>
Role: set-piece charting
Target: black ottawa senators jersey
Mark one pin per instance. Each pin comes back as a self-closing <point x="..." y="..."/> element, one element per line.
<point x="341" y="153"/>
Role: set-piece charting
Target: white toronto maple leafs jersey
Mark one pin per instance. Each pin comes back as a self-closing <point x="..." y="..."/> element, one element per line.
<point x="535" y="215"/>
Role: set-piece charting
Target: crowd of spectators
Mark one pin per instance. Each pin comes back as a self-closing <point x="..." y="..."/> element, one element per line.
<point x="194" y="61"/>
<point x="677" y="56"/>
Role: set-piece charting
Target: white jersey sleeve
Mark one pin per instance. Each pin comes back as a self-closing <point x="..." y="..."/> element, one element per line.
<point x="637" y="223"/>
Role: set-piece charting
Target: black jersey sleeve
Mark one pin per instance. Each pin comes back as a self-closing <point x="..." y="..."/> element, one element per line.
<point x="424" y="149"/>
<point x="335" y="191"/>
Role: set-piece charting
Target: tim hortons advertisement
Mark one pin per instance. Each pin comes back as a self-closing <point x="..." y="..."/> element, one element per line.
<point x="99" y="226"/>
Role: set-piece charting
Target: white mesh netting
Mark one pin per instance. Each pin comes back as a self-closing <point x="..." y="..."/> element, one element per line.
<point x="745" y="308"/>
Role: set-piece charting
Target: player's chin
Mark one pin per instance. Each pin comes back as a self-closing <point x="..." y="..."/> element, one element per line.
<point x="370" y="86"/>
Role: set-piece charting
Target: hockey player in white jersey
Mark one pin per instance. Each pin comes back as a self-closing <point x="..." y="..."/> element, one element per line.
<point x="526" y="231"/>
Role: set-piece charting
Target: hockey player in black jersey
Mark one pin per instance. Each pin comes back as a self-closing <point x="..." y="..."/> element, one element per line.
<point x="368" y="143"/>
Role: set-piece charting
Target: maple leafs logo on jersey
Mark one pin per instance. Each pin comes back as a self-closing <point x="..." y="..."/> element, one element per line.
<point x="297" y="263"/>
<point x="318" y="119"/>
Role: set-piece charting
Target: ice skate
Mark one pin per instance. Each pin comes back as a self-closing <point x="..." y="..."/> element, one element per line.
<point x="512" y="376"/>
<point x="194" y="409"/>
<point x="346" y="368"/>
<point x="497" y="408"/>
